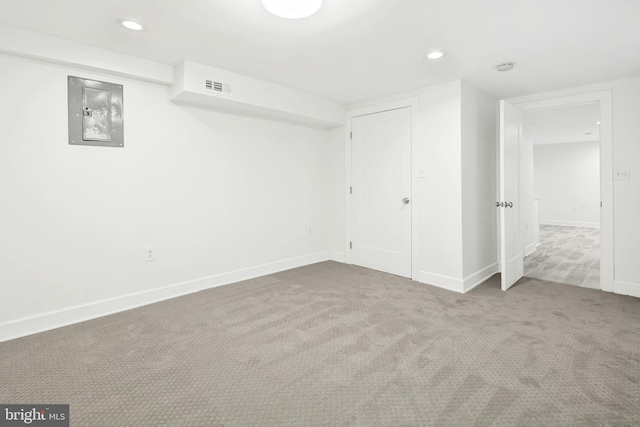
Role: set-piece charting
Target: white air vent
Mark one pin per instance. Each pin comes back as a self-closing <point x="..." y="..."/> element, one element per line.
<point x="217" y="87"/>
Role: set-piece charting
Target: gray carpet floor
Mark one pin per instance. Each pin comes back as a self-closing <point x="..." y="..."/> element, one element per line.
<point x="338" y="345"/>
<point x="569" y="255"/>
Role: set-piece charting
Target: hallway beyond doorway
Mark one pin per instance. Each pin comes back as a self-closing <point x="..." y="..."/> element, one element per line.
<point x="569" y="255"/>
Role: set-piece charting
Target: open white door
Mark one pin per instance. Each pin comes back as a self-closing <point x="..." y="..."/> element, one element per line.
<point x="511" y="251"/>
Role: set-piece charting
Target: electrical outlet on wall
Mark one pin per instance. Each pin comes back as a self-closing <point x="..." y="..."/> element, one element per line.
<point x="149" y="254"/>
<point x="310" y="233"/>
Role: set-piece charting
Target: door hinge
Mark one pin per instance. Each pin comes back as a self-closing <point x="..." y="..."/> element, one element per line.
<point x="350" y="245"/>
<point x="350" y="190"/>
<point x="350" y="135"/>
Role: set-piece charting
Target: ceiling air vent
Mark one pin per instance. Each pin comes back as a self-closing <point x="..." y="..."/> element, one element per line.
<point x="217" y="87"/>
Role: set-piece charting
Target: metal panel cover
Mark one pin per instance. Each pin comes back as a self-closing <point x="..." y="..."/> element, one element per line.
<point x="95" y="113"/>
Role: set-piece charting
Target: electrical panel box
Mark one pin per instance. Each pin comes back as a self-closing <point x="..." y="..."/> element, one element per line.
<point x="95" y="113"/>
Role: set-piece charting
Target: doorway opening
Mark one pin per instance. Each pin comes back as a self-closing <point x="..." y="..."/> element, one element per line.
<point x="561" y="198"/>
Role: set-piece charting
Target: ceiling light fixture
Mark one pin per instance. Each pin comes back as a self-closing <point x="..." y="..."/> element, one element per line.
<point x="505" y="67"/>
<point x="292" y="9"/>
<point x="435" y="54"/>
<point x="130" y="24"/>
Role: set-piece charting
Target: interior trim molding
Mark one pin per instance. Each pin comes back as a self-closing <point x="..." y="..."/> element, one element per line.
<point x="570" y="223"/>
<point x="442" y="281"/>
<point x="459" y="285"/>
<point x="603" y="94"/>
<point x="337" y="256"/>
<point x="626" y="288"/>
<point x="479" y="277"/>
<point x="59" y="318"/>
<point x="531" y="248"/>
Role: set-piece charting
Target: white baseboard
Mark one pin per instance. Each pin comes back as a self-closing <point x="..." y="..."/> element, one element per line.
<point x="459" y="285"/>
<point x="56" y="319"/>
<point x="441" y="281"/>
<point x="626" y="288"/>
<point x="531" y="248"/>
<point x="570" y="223"/>
<point x="478" y="277"/>
<point x="337" y="256"/>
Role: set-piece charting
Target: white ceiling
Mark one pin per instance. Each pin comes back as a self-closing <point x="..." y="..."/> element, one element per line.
<point x="576" y="123"/>
<point x="356" y="50"/>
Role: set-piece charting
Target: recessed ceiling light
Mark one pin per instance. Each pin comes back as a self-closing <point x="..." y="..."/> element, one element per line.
<point x="130" y="24"/>
<point x="435" y="54"/>
<point x="292" y="9"/>
<point x="505" y="67"/>
<point x="597" y="123"/>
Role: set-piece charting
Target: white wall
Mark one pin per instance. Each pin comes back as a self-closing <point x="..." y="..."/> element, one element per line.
<point x="438" y="134"/>
<point x="478" y="185"/>
<point x="217" y="195"/>
<point x="336" y="193"/>
<point x="30" y="44"/>
<point x="249" y="96"/>
<point x="437" y="202"/>
<point x="567" y="180"/>
<point x="626" y="203"/>
<point x="444" y="114"/>
<point x="626" y="156"/>
<point x="253" y="96"/>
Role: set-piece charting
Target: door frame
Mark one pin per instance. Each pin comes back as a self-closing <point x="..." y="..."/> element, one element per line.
<point x="604" y="97"/>
<point x="413" y="104"/>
